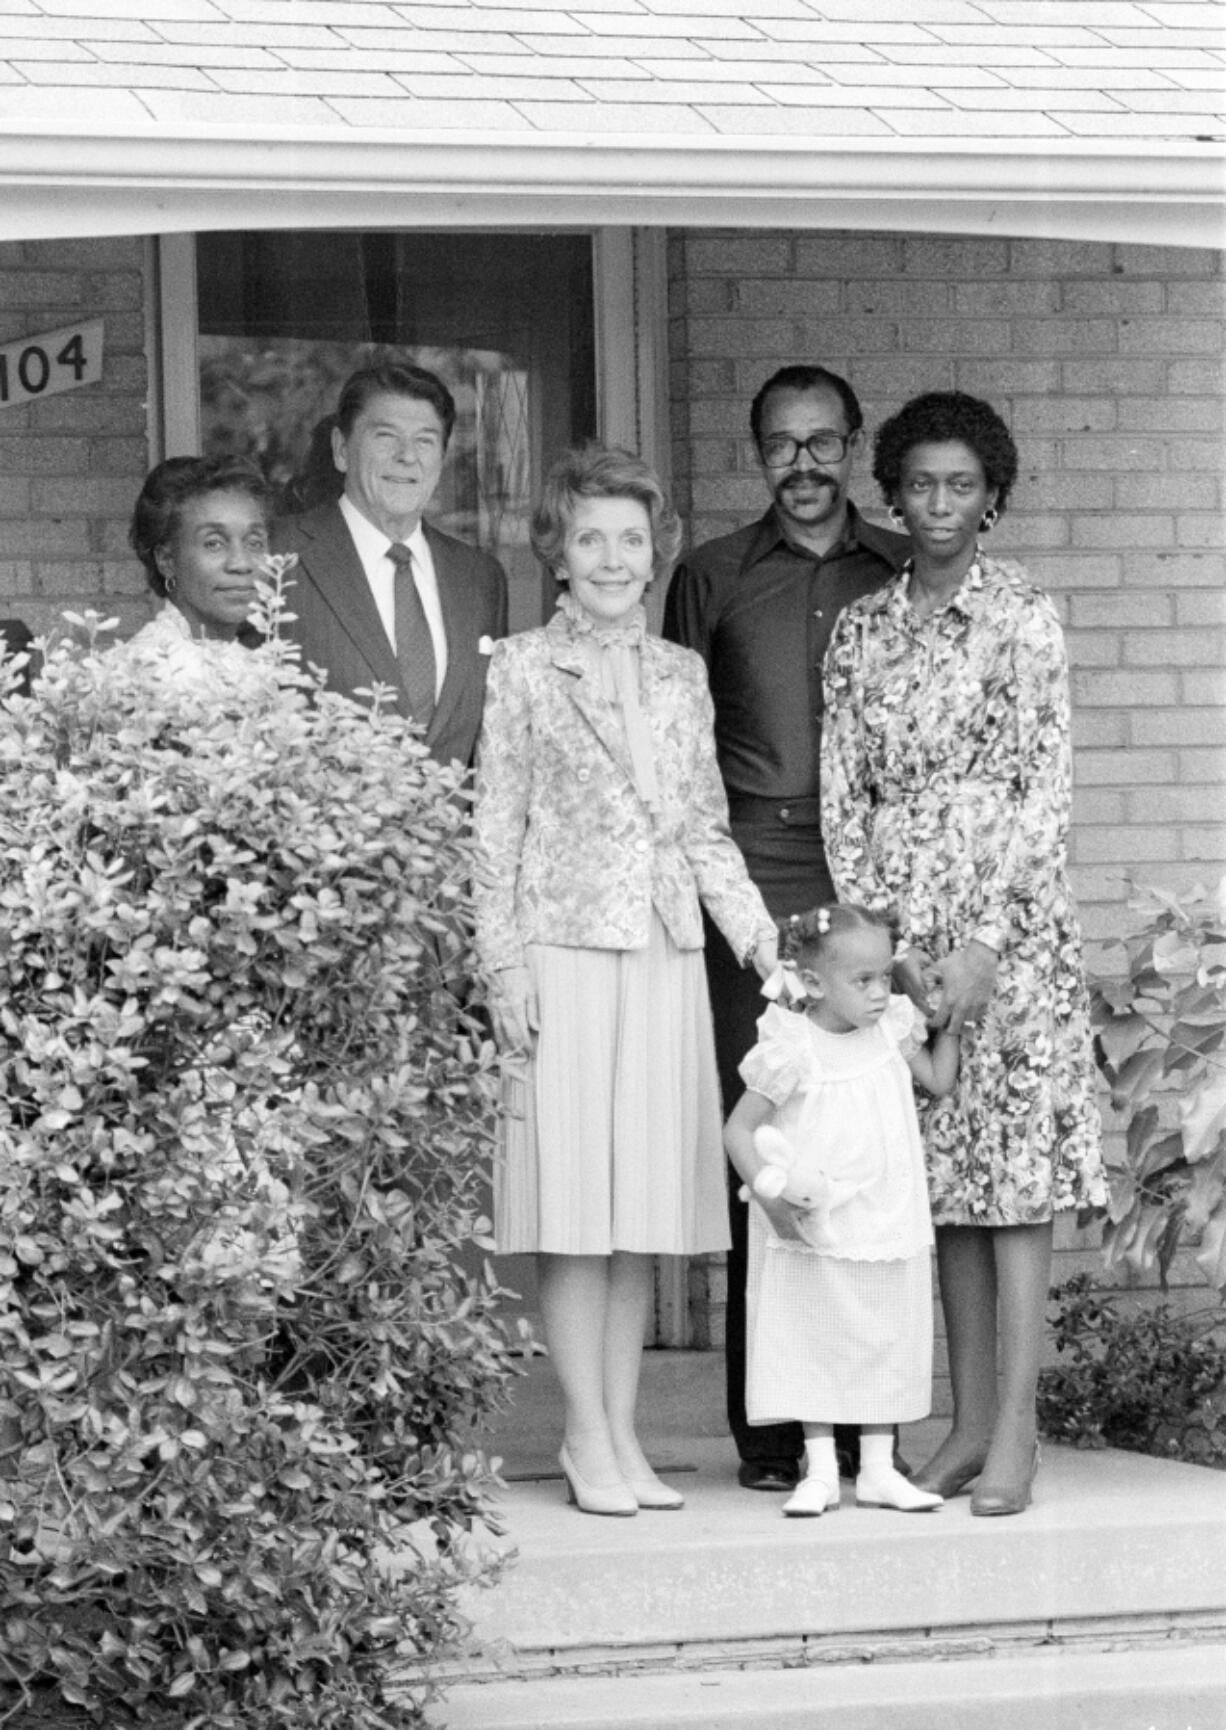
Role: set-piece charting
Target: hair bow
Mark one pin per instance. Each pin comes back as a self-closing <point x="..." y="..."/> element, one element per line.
<point x="785" y="985"/>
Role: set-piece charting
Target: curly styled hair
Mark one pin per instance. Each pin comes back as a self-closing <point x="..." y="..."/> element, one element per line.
<point x="172" y="485"/>
<point x="940" y="417"/>
<point x="597" y="471"/>
<point x="803" y="937"/>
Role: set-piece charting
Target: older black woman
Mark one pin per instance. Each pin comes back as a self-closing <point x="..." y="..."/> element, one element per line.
<point x="201" y="530"/>
<point x="946" y="778"/>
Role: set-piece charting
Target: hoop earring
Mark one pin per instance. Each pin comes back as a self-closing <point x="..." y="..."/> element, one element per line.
<point x="161" y="562"/>
<point x="896" y="517"/>
<point x="989" y="520"/>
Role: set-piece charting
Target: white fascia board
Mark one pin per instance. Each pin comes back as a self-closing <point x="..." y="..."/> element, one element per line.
<point x="54" y="184"/>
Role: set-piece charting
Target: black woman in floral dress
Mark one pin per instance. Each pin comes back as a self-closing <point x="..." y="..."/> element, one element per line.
<point x="946" y="791"/>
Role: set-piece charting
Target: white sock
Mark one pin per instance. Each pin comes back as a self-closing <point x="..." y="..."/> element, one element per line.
<point x="876" y="1451"/>
<point x="820" y="1461"/>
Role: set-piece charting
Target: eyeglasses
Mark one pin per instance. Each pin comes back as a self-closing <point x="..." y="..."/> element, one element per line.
<point x="779" y="451"/>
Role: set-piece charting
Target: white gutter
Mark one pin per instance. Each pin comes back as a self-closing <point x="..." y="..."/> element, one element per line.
<point x="127" y="181"/>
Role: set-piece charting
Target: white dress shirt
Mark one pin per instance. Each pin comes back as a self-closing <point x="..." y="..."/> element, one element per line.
<point x="372" y="550"/>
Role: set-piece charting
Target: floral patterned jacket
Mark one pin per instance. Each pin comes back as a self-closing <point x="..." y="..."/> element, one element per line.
<point x="569" y="853"/>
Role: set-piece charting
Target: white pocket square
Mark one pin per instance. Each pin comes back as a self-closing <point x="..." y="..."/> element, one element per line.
<point x="485" y="645"/>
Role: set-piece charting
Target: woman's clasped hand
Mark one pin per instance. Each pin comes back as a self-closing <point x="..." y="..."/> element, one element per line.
<point x="964" y="983"/>
<point x="514" y="1005"/>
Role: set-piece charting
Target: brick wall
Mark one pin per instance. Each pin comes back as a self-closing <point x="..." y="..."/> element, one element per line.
<point x="71" y="465"/>
<point x="1106" y="360"/>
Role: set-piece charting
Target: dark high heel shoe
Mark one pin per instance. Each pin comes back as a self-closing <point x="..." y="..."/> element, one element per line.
<point x="993" y="1499"/>
<point x="595" y="1498"/>
<point x="954" y="1481"/>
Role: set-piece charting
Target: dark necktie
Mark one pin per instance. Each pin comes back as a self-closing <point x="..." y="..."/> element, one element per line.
<point x="414" y="644"/>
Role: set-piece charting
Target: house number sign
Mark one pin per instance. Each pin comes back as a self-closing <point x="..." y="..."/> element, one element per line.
<point x="59" y="360"/>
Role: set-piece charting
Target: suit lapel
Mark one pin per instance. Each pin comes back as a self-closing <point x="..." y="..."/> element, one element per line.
<point x="460" y="627"/>
<point x="339" y="578"/>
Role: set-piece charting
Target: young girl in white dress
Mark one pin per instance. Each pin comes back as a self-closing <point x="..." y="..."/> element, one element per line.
<point x="840" y="1318"/>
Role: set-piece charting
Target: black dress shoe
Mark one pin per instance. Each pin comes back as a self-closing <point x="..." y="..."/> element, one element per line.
<point x="767" y="1475"/>
<point x="847" y="1449"/>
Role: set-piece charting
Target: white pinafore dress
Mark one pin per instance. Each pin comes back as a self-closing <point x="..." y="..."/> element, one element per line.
<point x="843" y="1334"/>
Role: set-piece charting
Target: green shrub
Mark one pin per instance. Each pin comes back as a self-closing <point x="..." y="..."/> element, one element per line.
<point x="1161" y="1044"/>
<point x="1151" y="1380"/>
<point x="243" y="1118"/>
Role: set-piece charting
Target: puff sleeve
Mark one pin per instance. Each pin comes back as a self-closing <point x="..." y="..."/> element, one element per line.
<point x="775" y="1066"/>
<point x="904" y="1025"/>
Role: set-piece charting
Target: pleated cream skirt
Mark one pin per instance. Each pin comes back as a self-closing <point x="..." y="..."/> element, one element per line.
<point x="611" y="1135"/>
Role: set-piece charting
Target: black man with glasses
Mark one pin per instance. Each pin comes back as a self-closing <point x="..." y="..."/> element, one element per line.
<point x="759" y="606"/>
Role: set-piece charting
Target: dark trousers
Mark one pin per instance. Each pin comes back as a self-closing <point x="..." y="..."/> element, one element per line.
<point x="736" y="1004"/>
<point x="786" y="861"/>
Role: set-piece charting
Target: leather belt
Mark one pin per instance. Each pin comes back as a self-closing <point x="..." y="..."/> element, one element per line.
<point x="803" y="813"/>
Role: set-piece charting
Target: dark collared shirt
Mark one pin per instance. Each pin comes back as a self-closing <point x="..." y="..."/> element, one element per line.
<point x="760" y="612"/>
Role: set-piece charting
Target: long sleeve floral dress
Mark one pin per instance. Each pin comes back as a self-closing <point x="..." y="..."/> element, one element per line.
<point x="946" y="784"/>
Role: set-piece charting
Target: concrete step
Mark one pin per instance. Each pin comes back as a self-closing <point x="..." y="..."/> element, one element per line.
<point x="1103" y="1607"/>
<point x="1109" y="1535"/>
<point x="1176" y="1687"/>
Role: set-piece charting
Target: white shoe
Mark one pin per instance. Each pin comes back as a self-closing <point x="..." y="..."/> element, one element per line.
<point x="812" y="1496"/>
<point x="650" y="1493"/>
<point x="889" y="1489"/>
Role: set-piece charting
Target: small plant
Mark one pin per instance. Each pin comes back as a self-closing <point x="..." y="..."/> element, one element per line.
<point x="1161" y="1044"/>
<point x="244" y="1114"/>
<point x="1151" y="1380"/>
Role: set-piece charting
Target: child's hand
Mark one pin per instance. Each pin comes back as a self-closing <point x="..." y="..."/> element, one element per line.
<point x="785" y="1218"/>
<point x="916" y="975"/>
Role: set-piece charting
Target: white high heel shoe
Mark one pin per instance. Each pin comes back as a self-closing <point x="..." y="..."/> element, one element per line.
<point x="617" y="1499"/>
<point x="651" y="1493"/>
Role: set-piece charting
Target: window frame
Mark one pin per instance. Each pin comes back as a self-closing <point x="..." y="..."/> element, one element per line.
<point x="631" y="295"/>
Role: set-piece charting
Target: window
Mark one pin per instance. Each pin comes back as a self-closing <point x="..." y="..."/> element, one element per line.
<point x="506" y="319"/>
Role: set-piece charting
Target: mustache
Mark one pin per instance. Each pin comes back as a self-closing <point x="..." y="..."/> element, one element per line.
<point x="805" y="478"/>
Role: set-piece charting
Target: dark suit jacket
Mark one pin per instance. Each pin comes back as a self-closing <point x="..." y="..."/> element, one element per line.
<point x="16" y="638"/>
<point x="339" y="628"/>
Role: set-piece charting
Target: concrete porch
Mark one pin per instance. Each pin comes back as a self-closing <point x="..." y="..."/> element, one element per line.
<point x="1102" y="1608"/>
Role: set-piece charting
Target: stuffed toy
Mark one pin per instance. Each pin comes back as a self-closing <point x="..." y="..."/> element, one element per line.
<point x="801" y="1181"/>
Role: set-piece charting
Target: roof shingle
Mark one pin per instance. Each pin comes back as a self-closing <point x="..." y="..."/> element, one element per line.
<point x="1012" y="70"/>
